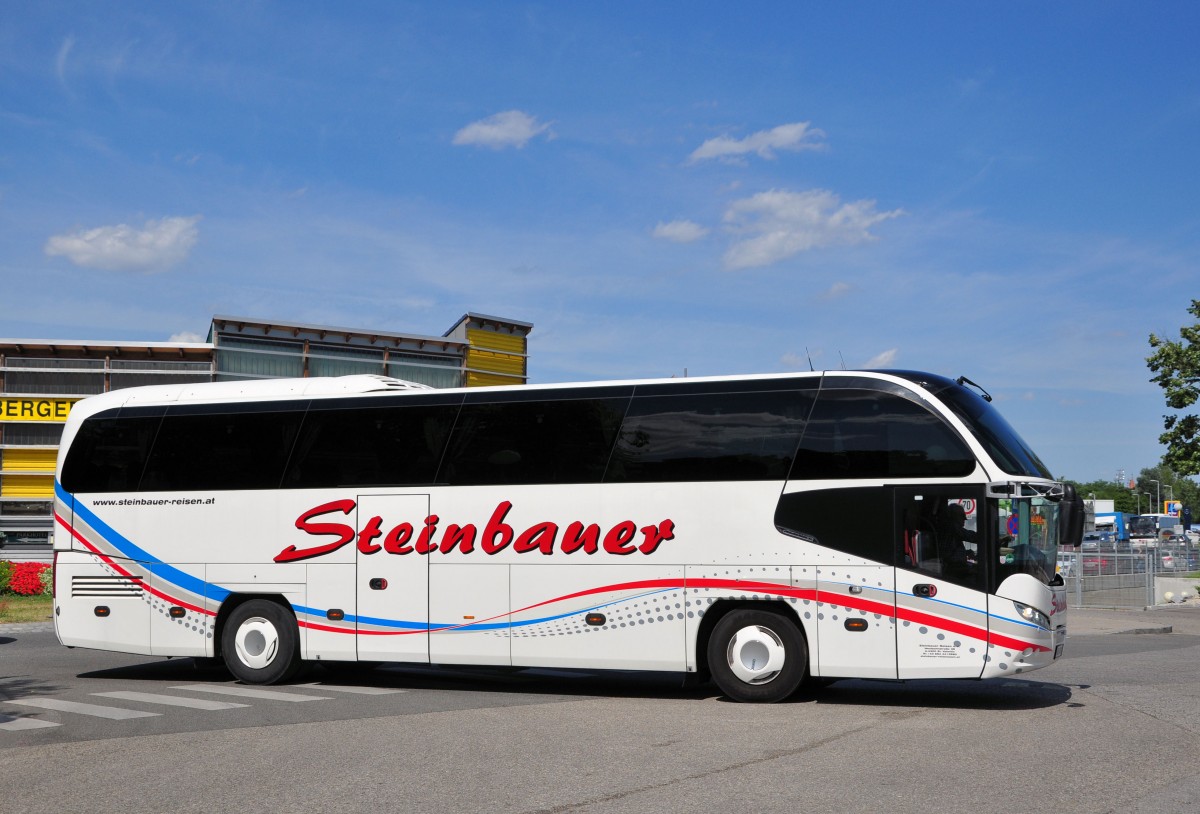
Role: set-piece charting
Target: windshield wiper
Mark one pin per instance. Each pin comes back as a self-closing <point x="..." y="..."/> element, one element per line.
<point x="985" y="394"/>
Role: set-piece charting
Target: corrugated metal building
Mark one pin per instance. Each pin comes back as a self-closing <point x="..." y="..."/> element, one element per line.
<point x="41" y="378"/>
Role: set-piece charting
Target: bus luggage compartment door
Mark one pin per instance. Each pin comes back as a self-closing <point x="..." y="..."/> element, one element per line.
<point x="856" y="631"/>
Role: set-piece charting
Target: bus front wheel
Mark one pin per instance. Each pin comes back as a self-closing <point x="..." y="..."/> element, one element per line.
<point x="261" y="642"/>
<point x="757" y="655"/>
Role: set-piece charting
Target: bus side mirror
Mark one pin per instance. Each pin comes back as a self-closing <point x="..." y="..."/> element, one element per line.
<point x="1070" y="517"/>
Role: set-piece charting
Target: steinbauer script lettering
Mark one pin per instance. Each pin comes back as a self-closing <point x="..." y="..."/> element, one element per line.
<point x="404" y="538"/>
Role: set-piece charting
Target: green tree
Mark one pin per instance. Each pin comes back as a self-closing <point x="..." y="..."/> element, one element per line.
<point x="1123" y="499"/>
<point x="1176" y="365"/>
<point x="1170" y="485"/>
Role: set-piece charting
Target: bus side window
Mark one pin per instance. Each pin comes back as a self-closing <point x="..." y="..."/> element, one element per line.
<point x="201" y="450"/>
<point x="854" y="520"/>
<point x="523" y="442"/>
<point x="394" y="445"/>
<point x="709" y="437"/>
<point x="108" y="454"/>
<point x="938" y="539"/>
<point x="856" y="433"/>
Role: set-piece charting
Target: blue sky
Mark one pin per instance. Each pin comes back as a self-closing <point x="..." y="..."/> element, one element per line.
<point x="1005" y="191"/>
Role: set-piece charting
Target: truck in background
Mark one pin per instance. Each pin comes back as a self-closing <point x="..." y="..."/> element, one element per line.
<point x="1115" y="524"/>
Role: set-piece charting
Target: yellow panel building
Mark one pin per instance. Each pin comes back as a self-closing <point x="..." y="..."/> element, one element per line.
<point x="497" y="349"/>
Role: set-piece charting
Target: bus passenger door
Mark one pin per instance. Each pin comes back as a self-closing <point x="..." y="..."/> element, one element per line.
<point x="392" y="588"/>
<point x="941" y="582"/>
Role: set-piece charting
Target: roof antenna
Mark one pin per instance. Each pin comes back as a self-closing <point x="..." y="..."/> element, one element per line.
<point x="807" y="353"/>
<point x="843" y="358"/>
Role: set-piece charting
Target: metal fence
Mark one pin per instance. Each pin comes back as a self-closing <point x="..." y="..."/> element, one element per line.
<point x="1111" y="579"/>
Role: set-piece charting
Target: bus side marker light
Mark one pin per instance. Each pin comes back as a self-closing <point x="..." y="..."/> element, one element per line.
<point x="177" y="612"/>
<point x="856" y="625"/>
<point x="102" y="610"/>
<point x="378" y="584"/>
<point x="595" y="619"/>
<point x="335" y="614"/>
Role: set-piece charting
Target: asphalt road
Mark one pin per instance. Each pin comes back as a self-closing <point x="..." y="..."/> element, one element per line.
<point x="1112" y="727"/>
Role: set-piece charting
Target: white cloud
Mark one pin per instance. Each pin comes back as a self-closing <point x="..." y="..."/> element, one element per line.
<point x="512" y="128"/>
<point x="792" y="137"/>
<point x="60" y="62"/>
<point x="884" y="359"/>
<point x="157" y="246"/>
<point x="782" y="223"/>
<point x="186" y="336"/>
<point x="796" y="361"/>
<point x="837" y="290"/>
<point x="680" y="231"/>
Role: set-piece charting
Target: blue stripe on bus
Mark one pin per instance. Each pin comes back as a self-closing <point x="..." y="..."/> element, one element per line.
<point x="131" y="551"/>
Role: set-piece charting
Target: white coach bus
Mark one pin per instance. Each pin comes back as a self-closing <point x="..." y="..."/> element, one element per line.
<point x="759" y="530"/>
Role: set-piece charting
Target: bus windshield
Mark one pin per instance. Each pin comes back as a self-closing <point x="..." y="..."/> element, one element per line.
<point x="1029" y="536"/>
<point x="1143" y="526"/>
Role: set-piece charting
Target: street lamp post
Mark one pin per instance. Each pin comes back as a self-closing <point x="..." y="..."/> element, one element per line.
<point x="1139" y="501"/>
<point x="1158" y="494"/>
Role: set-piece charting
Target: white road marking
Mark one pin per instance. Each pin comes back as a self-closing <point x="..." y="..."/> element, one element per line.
<point x="10" y="724"/>
<point x="170" y="700"/>
<point x="79" y="708"/>
<point x="356" y="690"/>
<point x="250" y="692"/>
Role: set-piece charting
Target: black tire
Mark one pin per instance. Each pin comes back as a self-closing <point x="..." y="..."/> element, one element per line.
<point x="261" y="642"/>
<point x="757" y="656"/>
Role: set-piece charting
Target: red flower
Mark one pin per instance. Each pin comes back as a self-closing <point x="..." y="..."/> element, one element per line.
<point x="27" y="578"/>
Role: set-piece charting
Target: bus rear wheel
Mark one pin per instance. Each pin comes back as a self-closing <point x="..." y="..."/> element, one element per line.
<point x="757" y="655"/>
<point x="261" y="642"/>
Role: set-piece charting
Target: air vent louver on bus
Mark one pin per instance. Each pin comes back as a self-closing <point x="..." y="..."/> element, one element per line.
<point x="389" y="383"/>
<point x="105" y="586"/>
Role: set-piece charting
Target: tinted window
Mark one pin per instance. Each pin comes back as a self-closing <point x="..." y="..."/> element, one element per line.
<point x="709" y="437"/>
<point x="109" y="453"/>
<point x="941" y="535"/>
<point x="857" y="521"/>
<point x="869" y="434"/>
<point x="995" y="434"/>
<point x="377" y="446"/>
<point x="221" y="450"/>
<point x="532" y="442"/>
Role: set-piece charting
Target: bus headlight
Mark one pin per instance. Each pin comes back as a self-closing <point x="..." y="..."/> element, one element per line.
<point x="1030" y="614"/>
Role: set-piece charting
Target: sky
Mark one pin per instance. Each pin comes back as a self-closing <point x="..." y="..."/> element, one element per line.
<point x="1006" y="191"/>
